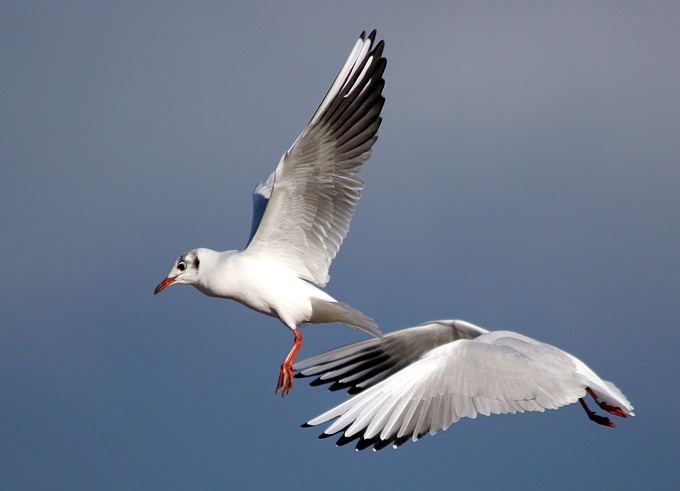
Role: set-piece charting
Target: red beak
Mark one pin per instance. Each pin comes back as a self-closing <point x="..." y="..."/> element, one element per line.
<point x="164" y="284"/>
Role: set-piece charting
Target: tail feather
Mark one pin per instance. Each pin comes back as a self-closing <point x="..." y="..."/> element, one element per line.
<point x="324" y="311"/>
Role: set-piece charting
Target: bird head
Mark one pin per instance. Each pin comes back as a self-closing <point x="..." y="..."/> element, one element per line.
<point x="184" y="271"/>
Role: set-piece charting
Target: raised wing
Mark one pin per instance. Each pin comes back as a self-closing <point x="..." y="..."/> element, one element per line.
<point x="315" y="189"/>
<point x="361" y="365"/>
<point x="498" y="372"/>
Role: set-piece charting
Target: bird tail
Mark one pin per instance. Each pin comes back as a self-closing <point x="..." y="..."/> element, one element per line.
<point x="325" y="311"/>
<point x="605" y="391"/>
<point x="614" y="397"/>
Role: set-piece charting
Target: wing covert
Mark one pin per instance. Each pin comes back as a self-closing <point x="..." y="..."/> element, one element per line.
<point x="361" y="365"/>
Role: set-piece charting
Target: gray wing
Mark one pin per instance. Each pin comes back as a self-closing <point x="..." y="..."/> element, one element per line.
<point x="261" y="195"/>
<point x="498" y="372"/>
<point x="315" y="189"/>
<point x="363" y="364"/>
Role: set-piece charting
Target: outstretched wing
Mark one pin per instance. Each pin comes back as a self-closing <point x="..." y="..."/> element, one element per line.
<point x="315" y="189"/>
<point x="498" y="372"/>
<point x="361" y="365"/>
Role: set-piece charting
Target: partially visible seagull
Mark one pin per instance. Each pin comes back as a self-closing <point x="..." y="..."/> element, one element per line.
<point x="423" y="379"/>
<point x="301" y="214"/>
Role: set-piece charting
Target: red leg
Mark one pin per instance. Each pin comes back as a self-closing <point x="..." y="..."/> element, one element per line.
<point x="286" y="374"/>
<point x="601" y="420"/>
<point x="616" y="411"/>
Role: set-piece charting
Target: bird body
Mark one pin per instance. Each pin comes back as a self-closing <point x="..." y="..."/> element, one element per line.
<point x="261" y="284"/>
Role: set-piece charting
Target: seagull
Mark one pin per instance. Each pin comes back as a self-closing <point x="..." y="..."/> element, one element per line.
<point x="422" y="379"/>
<point x="302" y="212"/>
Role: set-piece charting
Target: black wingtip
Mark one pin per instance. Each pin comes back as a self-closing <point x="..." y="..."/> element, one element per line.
<point x="371" y="37"/>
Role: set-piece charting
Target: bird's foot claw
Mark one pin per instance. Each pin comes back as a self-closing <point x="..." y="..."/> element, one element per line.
<point x="285" y="380"/>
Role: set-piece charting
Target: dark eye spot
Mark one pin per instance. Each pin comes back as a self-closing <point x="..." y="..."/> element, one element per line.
<point x="196" y="263"/>
<point x="181" y="265"/>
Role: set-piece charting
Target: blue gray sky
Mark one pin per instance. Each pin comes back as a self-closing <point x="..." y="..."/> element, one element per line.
<point x="527" y="177"/>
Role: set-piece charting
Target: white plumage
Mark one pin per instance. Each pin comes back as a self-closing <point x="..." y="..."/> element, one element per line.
<point x="421" y="380"/>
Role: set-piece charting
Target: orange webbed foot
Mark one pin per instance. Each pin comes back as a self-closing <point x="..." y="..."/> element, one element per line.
<point x="285" y="382"/>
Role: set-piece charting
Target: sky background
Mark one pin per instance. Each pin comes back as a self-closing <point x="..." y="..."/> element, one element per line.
<point x="527" y="177"/>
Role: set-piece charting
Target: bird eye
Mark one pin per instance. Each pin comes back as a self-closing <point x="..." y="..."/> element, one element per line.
<point x="181" y="265"/>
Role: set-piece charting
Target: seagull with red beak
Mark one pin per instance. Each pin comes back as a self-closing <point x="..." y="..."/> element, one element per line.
<point x="302" y="213"/>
